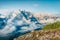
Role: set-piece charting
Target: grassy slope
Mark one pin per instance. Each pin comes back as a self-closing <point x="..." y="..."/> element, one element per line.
<point x="55" y="25"/>
<point x="49" y="32"/>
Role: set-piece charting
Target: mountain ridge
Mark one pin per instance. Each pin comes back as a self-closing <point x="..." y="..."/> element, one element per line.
<point x="18" y="23"/>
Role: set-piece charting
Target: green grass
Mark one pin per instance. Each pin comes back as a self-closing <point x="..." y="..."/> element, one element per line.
<point x="55" y="25"/>
<point x="54" y="38"/>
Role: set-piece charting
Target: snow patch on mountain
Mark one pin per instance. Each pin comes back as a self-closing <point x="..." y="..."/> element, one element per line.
<point x="18" y="22"/>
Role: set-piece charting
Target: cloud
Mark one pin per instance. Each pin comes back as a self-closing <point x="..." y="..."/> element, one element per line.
<point x="36" y="5"/>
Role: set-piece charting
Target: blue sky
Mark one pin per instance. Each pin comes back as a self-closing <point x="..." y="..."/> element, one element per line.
<point x="48" y="6"/>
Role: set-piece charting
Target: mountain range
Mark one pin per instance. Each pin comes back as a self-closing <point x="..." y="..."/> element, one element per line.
<point x="16" y="23"/>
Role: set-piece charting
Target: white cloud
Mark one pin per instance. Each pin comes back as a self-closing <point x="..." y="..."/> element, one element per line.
<point x="36" y="5"/>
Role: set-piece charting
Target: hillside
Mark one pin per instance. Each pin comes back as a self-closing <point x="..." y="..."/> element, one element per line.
<point x="49" y="32"/>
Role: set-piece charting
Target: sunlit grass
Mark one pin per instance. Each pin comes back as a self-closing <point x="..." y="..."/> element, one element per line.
<point x="54" y="38"/>
<point x="55" y="25"/>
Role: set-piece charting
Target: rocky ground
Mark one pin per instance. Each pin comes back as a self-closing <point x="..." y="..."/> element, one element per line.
<point x="41" y="35"/>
